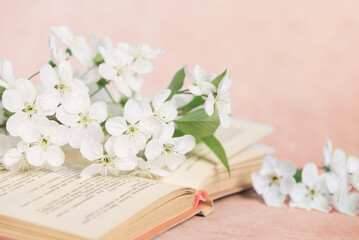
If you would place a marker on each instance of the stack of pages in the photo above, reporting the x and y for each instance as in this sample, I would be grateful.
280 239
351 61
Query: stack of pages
44 204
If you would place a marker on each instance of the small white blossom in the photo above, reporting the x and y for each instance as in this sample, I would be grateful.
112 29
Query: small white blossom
85 122
57 54
7 77
342 200
141 54
45 141
202 82
313 192
274 180
105 162
22 102
61 87
132 130
169 151
220 100
6 143
149 169
77 44
335 161
119 69
182 100
16 158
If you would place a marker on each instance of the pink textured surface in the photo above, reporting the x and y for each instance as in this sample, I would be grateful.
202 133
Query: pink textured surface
294 65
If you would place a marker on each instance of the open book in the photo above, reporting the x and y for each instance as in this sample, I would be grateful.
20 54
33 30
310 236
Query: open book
43 204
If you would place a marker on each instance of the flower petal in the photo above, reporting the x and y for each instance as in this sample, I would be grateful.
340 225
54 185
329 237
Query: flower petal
133 111
184 144
98 111
107 71
49 76
160 98
91 170
273 197
14 122
61 135
66 118
168 110
260 183
116 126
55 156
310 175
353 164
286 168
321 203
268 166
153 149
299 192
174 160
122 146
209 105
224 85
12 101
142 66
128 163
64 71
91 149
36 156
338 165
287 184
12 157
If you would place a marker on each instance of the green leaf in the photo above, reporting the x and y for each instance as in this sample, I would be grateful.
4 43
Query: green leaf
196 101
2 90
215 145
177 82
198 123
98 59
178 133
219 78
298 175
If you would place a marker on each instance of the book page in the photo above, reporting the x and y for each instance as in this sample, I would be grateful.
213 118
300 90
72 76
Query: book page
63 201
200 163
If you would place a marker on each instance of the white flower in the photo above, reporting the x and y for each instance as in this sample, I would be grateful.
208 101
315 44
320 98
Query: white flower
77 44
133 129
141 54
165 111
85 122
45 141
61 87
169 151
353 171
104 42
312 192
117 68
222 101
149 169
16 158
7 77
202 82
334 162
274 181
22 102
341 199
105 161
57 55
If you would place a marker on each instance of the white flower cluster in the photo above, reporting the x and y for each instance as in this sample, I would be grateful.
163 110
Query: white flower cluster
333 188
100 111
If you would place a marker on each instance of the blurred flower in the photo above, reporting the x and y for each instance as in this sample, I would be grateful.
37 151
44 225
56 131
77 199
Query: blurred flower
353 171
274 181
165 111
202 82
312 193
104 42
141 54
149 169
77 44
16 158
117 68
57 55
7 77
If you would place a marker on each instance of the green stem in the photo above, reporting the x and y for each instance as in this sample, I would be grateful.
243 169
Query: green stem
112 99
33 75
92 94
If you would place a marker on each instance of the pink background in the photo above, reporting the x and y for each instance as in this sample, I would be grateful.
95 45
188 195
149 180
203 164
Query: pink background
294 65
